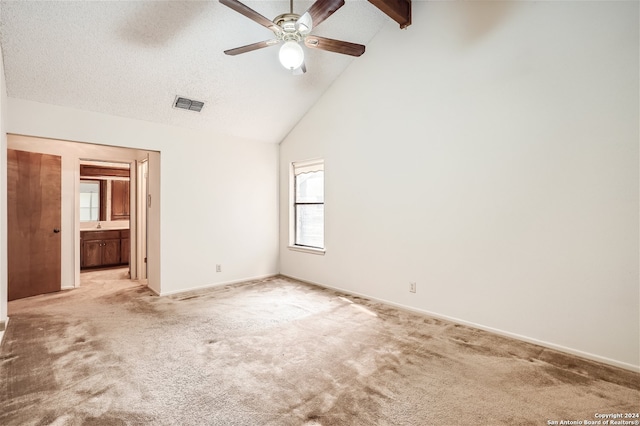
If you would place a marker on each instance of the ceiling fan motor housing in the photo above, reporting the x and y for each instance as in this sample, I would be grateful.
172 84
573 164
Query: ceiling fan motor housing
287 22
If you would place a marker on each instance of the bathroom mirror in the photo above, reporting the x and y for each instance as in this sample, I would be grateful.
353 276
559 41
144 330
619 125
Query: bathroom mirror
90 200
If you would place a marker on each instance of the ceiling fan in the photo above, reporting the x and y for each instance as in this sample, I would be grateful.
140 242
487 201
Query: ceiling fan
292 30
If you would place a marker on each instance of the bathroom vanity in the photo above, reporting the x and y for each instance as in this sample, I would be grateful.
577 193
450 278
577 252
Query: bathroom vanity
101 248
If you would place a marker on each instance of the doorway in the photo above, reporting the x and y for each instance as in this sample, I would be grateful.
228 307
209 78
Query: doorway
105 199
71 154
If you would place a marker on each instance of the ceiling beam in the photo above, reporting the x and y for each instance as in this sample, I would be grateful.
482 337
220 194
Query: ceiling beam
398 10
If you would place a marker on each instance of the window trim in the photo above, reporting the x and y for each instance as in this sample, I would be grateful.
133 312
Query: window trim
307 249
308 165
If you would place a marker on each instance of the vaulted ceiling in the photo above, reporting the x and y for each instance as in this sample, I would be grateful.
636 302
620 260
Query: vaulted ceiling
132 59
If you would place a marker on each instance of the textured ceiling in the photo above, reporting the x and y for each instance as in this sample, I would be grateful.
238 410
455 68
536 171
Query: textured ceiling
131 59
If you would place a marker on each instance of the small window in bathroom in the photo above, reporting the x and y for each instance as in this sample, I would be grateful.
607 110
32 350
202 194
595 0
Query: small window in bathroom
90 197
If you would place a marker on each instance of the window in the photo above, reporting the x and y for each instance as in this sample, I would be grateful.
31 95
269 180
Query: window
308 204
89 200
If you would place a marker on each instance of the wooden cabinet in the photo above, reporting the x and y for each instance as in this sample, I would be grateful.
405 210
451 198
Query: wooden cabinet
111 252
125 247
103 248
120 200
91 253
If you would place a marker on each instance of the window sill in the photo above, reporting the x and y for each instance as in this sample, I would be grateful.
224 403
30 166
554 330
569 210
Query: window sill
308 250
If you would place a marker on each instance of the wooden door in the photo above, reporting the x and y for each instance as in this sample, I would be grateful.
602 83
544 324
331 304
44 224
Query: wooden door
33 219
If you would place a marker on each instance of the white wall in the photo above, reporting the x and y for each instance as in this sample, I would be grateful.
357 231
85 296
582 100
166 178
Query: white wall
3 194
217 195
490 154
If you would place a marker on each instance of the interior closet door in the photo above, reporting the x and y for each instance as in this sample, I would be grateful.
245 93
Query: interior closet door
33 219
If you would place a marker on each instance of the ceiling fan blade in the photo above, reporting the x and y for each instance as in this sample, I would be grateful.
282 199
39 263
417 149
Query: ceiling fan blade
304 24
337 46
300 70
322 9
251 14
251 47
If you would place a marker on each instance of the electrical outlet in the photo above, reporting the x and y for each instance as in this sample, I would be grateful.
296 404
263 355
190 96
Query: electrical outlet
412 287
218 268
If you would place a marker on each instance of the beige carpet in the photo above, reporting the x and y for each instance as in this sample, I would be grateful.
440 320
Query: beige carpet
279 352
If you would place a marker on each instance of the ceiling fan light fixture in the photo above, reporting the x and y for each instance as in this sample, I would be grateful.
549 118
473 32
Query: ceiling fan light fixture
291 55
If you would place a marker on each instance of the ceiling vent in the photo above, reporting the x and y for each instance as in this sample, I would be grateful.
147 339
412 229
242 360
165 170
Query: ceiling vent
191 105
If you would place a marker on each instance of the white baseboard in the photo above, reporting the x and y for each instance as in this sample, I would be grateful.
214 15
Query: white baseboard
560 348
153 291
204 287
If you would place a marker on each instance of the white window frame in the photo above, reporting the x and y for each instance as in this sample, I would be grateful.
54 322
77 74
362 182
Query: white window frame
296 168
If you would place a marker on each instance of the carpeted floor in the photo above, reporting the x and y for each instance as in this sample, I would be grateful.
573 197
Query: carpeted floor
279 352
